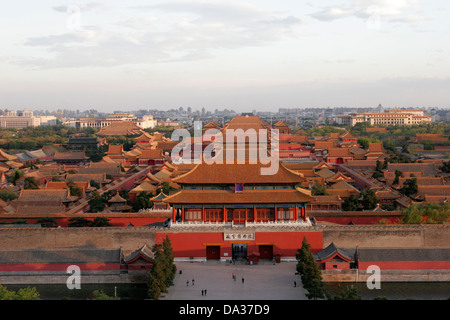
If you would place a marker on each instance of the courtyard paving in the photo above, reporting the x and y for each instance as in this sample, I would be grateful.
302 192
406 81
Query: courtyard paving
264 281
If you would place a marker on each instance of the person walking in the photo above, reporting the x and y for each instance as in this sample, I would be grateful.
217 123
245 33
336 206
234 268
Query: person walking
192 281
242 280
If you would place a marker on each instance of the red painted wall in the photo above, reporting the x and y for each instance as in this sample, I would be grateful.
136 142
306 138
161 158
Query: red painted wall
193 244
405 265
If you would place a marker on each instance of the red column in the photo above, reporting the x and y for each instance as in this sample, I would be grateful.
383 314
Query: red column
182 214
224 214
203 214
255 218
296 213
276 214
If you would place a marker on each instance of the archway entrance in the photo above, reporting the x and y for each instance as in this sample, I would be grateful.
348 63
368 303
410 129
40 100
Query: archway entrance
212 252
239 251
266 252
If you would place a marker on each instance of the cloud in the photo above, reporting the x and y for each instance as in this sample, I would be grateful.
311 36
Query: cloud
82 7
406 11
166 32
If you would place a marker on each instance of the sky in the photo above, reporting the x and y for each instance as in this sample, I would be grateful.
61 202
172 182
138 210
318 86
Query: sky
243 55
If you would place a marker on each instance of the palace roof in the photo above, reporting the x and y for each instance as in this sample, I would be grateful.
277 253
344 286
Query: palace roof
280 124
75 156
120 128
143 252
236 173
211 125
338 153
44 195
428 169
231 197
331 251
326 145
6 157
151 154
145 186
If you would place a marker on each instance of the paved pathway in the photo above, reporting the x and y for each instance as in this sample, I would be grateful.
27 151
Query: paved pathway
264 281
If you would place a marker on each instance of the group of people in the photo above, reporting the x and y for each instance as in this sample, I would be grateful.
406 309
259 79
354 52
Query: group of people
234 278
193 283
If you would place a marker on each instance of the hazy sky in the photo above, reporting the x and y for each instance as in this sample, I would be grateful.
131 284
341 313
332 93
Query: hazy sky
244 55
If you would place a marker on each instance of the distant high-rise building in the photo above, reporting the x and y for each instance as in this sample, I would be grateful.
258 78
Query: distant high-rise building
391 117
24 119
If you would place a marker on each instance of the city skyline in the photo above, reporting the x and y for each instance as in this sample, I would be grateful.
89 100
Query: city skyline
240 55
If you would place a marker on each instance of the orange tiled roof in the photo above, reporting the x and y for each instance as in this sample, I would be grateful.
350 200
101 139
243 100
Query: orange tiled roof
6 157
229 197
339 152
120 128
319 145
235 173
151 154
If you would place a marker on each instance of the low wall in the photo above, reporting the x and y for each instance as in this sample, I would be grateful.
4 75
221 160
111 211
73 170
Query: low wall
406 236
129 238
355 275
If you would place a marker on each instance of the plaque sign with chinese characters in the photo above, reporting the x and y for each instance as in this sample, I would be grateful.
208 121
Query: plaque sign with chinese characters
238 236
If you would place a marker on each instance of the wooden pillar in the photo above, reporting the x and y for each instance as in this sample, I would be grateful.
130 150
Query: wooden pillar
296 213
203 213
182 214
255 218
225 214
276 214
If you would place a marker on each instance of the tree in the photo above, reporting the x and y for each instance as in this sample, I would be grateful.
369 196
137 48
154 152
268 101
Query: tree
349 293
101 222
74 189
351 203
446 165
369 199
163 269
142 201
431 213
28 293
318 190
100 295
7 195
79 222
398 174
170 268
97 203
157 279
31 183
47 222
310 272
409 187
16 176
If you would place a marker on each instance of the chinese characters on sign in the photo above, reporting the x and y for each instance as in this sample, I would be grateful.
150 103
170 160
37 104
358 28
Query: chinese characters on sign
239 236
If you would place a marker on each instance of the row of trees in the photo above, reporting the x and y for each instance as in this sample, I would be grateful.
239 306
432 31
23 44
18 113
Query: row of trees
163 270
